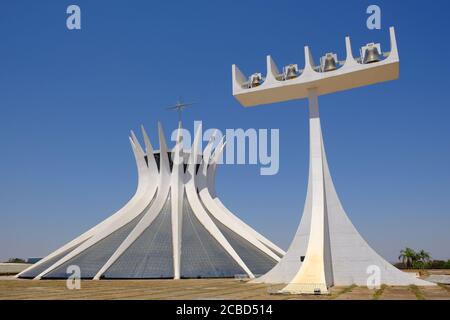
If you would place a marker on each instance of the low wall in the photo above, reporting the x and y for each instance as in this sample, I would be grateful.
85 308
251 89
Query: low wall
12 268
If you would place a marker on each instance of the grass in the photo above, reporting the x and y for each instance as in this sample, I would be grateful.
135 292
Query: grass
344 290
377 294
415 289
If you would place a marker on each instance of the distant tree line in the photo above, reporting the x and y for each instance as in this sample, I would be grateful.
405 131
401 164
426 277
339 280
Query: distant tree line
411 259
15 260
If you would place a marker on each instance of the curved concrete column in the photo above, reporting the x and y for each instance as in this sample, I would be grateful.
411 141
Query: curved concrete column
211 176
218 213
199 211
155 207
144 193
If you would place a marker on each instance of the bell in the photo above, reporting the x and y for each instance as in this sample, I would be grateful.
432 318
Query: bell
372 54
290 71
255 80
329 62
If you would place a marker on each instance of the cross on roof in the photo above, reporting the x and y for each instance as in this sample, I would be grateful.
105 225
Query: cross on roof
180 106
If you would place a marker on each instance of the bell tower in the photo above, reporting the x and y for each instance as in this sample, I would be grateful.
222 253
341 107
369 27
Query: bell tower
327 249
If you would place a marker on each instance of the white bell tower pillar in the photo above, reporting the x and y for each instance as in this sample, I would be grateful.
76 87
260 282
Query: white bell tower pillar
313 275
327 249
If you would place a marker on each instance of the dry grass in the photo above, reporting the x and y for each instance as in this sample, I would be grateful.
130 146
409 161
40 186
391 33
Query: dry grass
417 292
192 289
446 287
379 292
343 291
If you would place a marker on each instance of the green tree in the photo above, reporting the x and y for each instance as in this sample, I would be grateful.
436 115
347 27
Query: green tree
408 257
447 264
424 257
15 260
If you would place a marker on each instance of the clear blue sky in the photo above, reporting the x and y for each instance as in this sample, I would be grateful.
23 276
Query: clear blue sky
69 98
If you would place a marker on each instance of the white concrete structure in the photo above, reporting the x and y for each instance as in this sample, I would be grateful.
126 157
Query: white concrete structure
173 227
327 249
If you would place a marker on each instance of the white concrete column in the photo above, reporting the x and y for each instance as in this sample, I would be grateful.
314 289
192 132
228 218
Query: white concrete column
177 196
311 276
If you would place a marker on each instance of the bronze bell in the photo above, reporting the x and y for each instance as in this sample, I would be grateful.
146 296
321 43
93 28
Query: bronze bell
255 80
290 71
372 54
329 62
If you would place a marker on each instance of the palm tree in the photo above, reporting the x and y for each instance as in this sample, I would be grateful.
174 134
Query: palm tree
408 256
424 257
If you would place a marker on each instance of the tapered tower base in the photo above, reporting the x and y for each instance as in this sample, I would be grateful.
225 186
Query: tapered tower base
327 249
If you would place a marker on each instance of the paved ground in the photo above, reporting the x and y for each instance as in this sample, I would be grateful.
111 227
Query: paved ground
11 288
